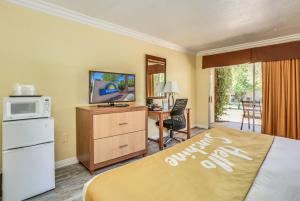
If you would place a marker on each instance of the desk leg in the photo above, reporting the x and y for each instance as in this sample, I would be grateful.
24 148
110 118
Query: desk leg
161 132
188 125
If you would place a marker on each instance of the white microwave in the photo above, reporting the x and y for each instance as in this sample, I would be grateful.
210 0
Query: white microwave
17 108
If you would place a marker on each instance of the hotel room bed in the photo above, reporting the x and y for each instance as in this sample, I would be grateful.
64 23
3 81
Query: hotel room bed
279 177
245 166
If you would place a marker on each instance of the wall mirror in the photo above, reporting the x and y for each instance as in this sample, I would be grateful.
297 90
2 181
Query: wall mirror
155 77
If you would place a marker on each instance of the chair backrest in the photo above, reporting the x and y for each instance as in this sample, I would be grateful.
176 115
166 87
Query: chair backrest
177 114
250 106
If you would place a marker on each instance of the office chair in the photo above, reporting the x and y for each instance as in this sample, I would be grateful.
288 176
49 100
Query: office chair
176 122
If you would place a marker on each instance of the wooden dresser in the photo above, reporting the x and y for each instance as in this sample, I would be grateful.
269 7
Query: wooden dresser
108 135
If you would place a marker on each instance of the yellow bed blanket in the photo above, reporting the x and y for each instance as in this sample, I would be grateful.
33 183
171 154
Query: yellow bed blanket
218 165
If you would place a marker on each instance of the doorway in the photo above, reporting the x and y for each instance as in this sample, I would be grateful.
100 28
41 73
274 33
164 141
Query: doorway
235 97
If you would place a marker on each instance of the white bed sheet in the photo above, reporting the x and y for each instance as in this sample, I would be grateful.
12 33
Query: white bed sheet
279 177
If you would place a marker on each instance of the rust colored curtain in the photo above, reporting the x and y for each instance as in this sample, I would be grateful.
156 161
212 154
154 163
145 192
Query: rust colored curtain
281 98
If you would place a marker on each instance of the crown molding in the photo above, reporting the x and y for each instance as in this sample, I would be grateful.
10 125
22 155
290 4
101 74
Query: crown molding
59 11
272 41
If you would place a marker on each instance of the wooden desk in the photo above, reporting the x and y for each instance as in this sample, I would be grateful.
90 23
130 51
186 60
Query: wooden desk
161 116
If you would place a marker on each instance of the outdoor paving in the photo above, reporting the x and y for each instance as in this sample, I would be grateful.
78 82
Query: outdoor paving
233 119
234 115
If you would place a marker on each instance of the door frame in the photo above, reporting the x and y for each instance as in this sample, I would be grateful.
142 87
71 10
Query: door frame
211 98
211 86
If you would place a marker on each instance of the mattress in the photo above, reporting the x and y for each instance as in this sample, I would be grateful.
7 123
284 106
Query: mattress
278 178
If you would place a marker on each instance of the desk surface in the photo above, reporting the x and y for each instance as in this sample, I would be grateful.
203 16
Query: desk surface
167 111
158 111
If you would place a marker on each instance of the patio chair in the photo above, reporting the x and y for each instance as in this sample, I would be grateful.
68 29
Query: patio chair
250 109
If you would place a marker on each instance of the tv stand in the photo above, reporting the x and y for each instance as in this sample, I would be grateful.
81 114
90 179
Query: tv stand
114 105
106 136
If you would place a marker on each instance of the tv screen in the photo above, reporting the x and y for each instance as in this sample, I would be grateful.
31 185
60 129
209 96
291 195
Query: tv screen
108 87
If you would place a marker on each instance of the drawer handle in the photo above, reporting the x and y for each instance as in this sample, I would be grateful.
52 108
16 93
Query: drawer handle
122 124
123 146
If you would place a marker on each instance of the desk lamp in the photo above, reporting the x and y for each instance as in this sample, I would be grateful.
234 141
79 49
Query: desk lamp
171 88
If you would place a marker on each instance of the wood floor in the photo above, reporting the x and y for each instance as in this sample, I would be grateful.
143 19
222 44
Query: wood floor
70 179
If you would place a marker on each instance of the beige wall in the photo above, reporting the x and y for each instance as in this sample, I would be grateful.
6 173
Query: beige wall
202 93
56 54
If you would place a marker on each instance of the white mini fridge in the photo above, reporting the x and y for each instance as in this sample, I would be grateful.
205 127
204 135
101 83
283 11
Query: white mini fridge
28 158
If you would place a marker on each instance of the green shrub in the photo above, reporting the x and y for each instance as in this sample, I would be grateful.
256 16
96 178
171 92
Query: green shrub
223 83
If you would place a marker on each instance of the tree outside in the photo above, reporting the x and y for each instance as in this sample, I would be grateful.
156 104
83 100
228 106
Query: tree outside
240 82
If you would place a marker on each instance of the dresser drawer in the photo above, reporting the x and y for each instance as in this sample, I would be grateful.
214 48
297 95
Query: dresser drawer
106 125
129 143
103 150
117 146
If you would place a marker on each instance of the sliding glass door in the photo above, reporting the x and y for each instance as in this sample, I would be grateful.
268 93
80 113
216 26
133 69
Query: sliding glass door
236 99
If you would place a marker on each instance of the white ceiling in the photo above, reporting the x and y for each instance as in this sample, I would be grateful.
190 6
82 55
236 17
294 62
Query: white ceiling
197 25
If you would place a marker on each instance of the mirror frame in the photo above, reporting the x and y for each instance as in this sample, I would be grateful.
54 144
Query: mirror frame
150 57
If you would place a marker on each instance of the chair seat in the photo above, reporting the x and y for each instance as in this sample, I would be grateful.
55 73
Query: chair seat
168 123
251 116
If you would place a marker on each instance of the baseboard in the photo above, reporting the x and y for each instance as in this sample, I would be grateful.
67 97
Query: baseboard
66 162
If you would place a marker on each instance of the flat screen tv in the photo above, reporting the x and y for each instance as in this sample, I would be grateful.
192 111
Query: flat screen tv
107 87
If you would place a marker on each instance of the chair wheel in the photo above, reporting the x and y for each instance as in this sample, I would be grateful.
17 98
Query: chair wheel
165 145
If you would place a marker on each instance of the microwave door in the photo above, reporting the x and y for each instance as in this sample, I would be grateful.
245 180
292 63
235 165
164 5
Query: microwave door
22 110
17 108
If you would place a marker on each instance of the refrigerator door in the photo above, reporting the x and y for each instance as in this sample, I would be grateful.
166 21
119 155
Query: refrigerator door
28 171
27 132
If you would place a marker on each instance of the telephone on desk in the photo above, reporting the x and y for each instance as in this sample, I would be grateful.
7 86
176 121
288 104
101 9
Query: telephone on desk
154 107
